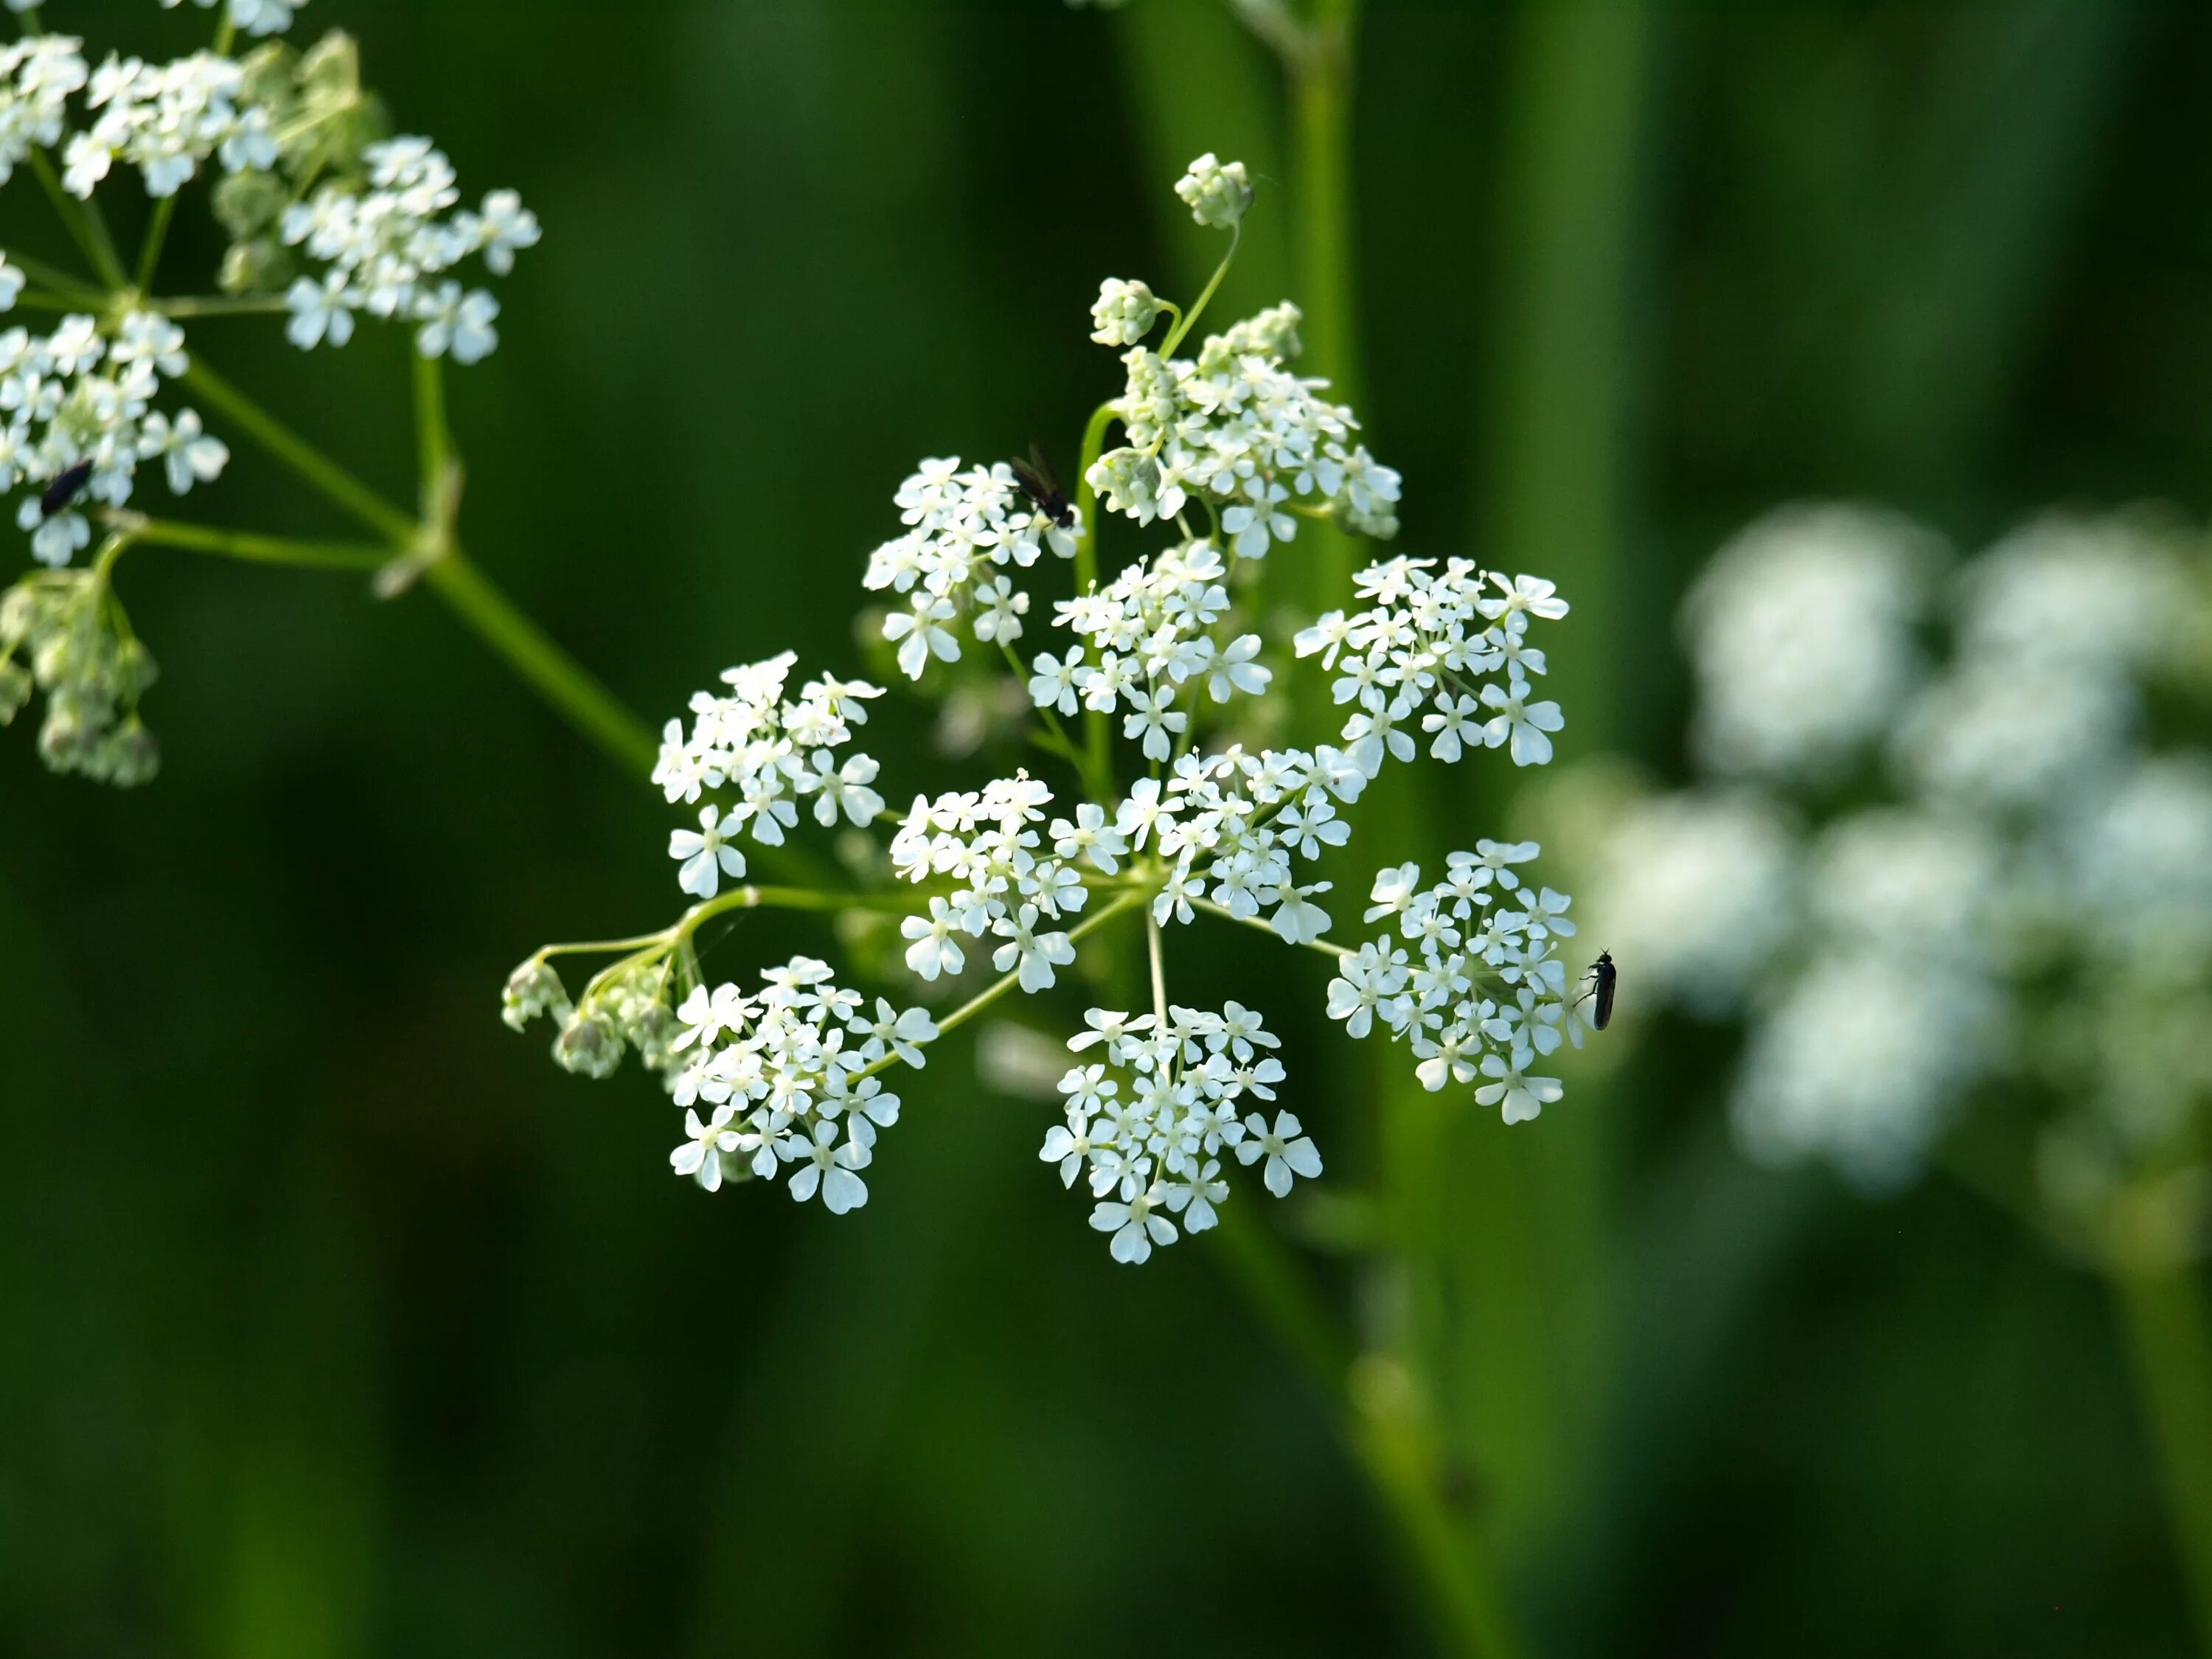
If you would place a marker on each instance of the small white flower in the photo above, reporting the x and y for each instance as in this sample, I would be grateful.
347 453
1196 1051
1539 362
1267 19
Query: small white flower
1136 1225
707 853
1288 1151
826 1166
700 1156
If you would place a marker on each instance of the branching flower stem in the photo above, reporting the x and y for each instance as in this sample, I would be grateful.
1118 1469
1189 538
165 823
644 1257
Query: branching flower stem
557 677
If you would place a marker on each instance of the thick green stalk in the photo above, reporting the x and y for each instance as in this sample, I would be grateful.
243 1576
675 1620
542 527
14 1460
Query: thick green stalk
545 666
2162 1309
316 470
1321 88
1514 1220
1374 1406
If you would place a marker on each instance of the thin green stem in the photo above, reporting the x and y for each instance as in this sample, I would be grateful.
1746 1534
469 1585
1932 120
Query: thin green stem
245 544
1097 732
433 438
1159 971
82 221
219 305
1184 324
990 993
316 470
1322 945
552 672
157 232
2162 1307
66 286
564 683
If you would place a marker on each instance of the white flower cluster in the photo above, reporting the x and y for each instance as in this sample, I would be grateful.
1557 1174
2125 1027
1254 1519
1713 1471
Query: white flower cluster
968 527
1698 891
165 119
37 74
773 754
1155 1118
787 1079
1238 432
1148 631
2033 902
1238 822
986 844
383 249
1427 639
1800 633
1173 1098
62 632
79 418
1488 993
255 17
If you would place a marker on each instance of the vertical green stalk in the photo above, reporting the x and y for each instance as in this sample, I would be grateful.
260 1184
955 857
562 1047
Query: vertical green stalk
1097 732
2162 1307
1320 73
1509 1302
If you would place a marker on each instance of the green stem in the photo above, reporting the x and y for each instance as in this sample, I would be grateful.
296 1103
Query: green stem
82 221
1185 323
1097 733
490 614
552 672
433 438
1339 951
219 305
157 232
990 993
88 297
249 546
2162 1307
325 476
1372 1407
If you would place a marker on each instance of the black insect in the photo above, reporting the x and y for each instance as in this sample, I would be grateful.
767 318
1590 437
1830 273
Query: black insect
1602 978
63 488
1037 482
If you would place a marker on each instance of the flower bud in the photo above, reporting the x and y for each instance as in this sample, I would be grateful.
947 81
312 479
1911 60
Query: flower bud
1123 313
1218 193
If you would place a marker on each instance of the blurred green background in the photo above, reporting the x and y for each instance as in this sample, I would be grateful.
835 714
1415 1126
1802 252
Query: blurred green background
334 1320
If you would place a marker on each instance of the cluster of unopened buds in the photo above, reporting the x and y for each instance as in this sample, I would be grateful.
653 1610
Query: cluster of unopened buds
1157 665
329 218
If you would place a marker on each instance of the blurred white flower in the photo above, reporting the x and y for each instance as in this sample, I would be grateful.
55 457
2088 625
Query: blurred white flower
1697 891
1800 633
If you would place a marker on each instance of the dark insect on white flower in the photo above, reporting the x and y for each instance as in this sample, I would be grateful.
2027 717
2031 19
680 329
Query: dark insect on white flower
1036 477
1602 978
63 488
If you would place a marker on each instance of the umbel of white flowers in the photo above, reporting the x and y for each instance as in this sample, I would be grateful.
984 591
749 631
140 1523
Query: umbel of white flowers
1160 665
2026 900
321 205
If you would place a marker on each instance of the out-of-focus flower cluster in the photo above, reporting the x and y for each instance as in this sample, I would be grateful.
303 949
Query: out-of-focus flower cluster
1926 873
1164 663
78 414
63 633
